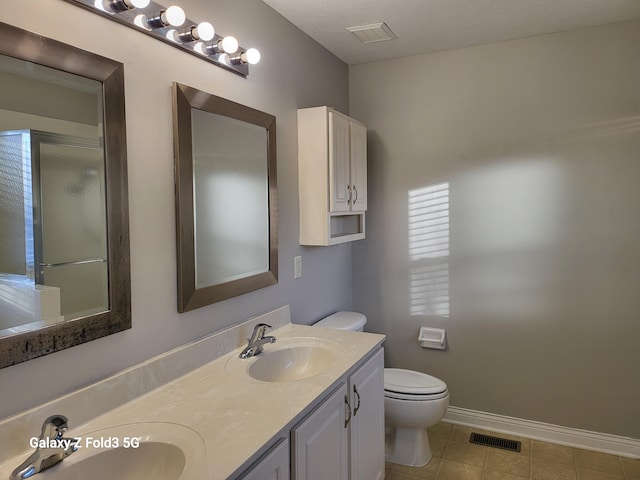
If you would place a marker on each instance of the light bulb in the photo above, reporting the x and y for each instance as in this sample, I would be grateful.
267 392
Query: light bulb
99 5
141 21
229 44
224 58
205 31
201 32
173 16
173 35
251 56
121 5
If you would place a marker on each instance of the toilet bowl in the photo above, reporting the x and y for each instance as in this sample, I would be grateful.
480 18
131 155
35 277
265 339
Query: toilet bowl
413 401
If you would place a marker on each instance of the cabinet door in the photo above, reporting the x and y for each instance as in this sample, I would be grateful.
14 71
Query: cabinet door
339 152
274 465
321 443
366 387
358 141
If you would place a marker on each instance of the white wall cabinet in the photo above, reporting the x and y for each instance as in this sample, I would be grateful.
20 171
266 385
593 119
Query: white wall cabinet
332 176
343 438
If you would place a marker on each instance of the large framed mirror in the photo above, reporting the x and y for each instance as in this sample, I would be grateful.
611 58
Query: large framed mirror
225 156
64 221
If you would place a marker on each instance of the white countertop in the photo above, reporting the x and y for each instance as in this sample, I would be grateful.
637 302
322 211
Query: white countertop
234 415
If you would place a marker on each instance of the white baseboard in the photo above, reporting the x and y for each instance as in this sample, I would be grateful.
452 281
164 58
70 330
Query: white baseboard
573 437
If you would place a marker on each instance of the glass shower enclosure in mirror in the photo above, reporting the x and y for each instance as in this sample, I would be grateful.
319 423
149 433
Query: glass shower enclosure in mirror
53 218
64 250
225 198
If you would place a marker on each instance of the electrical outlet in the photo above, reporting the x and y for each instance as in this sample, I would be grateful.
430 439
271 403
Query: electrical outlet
297 267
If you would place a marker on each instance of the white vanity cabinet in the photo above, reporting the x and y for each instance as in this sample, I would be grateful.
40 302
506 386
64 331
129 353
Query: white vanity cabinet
343 438
274 465
321 441
332 176
366 387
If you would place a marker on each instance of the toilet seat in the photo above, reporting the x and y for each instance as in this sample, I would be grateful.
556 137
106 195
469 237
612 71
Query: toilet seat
410 385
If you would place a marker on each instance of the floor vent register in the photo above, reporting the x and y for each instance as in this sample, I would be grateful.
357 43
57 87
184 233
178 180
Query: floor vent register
496 442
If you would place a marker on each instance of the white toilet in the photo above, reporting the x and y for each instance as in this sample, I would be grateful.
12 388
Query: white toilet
413 401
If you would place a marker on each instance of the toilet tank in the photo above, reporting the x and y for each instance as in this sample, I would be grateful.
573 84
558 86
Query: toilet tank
353 321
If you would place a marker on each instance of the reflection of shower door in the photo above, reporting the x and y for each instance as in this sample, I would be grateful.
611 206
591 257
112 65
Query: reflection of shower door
16 212
70 242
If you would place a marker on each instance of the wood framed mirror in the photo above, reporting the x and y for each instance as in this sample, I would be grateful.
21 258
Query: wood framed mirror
65 238
226 215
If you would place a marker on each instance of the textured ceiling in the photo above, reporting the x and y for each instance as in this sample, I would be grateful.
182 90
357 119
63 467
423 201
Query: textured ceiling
425 26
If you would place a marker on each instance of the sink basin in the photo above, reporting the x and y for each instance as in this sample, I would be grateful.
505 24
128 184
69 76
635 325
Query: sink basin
290 363
163 451
287 360
149 460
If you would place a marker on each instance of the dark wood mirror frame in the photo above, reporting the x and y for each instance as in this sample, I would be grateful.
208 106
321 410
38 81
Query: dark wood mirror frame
24 45
184 99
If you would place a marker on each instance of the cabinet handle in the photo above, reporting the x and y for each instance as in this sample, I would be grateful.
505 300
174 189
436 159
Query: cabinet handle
356 190
357 407
350 194
348 406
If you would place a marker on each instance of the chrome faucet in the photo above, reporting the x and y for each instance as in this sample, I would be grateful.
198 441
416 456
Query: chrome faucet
52 448
257 341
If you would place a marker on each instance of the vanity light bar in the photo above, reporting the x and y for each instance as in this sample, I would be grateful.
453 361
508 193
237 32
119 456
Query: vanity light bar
170 25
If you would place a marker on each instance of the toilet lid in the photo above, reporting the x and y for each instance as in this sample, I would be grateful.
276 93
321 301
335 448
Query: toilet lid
343 321
410 382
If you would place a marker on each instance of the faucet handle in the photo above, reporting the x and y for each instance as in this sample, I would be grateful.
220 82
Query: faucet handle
54 426
258 331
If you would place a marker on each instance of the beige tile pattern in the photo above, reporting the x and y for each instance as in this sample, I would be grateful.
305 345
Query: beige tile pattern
454 458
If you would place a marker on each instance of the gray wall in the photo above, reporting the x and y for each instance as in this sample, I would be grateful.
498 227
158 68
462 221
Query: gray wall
295 72
538 140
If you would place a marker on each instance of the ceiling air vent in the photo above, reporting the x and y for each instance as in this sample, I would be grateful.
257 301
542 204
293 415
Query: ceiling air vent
376 32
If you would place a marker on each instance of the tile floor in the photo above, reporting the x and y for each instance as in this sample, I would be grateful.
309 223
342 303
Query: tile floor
454 458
